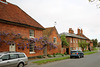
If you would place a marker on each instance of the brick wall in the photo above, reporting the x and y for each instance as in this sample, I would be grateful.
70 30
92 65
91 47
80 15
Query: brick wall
24 31
58 44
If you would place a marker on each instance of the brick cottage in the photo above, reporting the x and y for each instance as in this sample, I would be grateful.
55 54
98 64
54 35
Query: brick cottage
15 20
73 40
54 37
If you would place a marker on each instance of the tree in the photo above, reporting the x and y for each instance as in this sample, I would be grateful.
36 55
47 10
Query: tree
83 44
96 2
95 42
64 41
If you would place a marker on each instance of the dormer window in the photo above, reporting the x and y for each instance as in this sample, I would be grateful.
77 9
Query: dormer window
3 1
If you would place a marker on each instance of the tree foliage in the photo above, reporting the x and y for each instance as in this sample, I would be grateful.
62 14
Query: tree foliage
83 44
64 41
95 42
97 2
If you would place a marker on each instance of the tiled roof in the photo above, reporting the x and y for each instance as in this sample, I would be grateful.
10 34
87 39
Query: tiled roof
72 35
47 31
13 13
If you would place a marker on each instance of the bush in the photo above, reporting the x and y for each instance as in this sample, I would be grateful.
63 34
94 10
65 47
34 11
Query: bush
54 55
62 54
49 55
65 53
40 56
58 53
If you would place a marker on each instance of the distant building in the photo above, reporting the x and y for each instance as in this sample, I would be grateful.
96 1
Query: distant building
73 40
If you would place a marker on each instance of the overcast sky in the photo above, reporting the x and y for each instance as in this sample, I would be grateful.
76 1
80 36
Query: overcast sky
66 13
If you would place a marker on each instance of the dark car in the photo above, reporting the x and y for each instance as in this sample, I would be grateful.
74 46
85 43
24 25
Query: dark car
76 53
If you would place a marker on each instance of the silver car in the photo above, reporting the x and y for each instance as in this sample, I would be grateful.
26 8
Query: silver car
13 59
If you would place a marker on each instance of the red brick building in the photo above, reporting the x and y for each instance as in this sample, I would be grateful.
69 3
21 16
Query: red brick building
54 37
73 40
13 19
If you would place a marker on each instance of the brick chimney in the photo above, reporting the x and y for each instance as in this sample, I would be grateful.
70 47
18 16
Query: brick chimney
78 31
81 31
3 0
71 31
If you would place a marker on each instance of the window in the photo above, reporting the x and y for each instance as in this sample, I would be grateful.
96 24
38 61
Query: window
31 33
5 57
13 56
21 55
76 41
71 41
55 40
31 47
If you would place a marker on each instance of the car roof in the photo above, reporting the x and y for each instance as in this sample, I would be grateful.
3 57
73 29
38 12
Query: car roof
76 50
10 52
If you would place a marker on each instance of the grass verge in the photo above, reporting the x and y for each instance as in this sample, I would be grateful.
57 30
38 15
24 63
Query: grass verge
51 60
88 53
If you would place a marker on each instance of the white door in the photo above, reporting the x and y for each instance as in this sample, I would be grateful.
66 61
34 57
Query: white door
12 47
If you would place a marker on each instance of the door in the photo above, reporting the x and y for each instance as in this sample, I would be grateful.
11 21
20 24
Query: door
45 51
13 61
4 62
12 47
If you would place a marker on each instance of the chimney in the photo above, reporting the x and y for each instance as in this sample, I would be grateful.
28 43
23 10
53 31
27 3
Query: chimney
71 31
78 31
3 0
81 31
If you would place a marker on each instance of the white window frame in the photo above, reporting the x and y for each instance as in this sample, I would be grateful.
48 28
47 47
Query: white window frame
31 33
54 39
31 46
71 40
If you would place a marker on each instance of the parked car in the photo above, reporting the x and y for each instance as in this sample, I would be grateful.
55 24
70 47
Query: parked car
76 53
13 59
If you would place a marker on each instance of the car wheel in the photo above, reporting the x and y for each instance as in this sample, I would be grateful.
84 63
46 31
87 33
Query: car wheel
70 57
20 65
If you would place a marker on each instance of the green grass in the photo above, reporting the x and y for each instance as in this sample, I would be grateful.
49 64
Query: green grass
51 60
88 53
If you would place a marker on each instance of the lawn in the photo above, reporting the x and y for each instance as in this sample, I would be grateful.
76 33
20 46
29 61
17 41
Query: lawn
90 52
51 60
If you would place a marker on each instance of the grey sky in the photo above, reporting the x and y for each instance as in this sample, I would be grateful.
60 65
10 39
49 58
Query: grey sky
67 13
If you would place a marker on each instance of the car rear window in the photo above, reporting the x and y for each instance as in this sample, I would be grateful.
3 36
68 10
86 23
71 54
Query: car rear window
21 55
73 51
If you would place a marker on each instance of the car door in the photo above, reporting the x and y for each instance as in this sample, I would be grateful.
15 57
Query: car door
5 61
13 60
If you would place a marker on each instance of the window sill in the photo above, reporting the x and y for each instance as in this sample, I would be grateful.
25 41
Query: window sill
31 36
32 52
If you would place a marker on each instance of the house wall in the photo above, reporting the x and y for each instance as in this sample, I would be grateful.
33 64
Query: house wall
58 44
24 31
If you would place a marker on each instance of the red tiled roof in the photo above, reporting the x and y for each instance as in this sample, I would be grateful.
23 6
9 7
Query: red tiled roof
13 13
47 31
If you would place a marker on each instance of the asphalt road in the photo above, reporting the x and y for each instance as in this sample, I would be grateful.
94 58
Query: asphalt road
92 60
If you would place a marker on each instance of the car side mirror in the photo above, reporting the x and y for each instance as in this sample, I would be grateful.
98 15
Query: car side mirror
0 60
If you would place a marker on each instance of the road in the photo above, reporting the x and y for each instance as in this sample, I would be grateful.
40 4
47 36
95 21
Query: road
92 60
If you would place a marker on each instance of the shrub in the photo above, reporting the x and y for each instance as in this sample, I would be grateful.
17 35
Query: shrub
65 53
40 56
49 55
54 55
62 54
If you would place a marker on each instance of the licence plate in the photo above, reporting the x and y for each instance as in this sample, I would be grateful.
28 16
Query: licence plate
73 53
